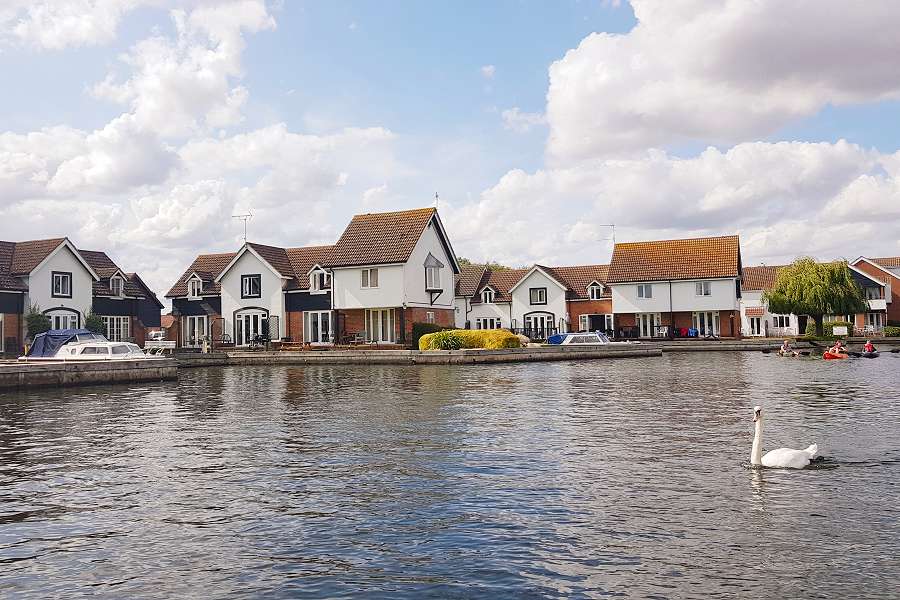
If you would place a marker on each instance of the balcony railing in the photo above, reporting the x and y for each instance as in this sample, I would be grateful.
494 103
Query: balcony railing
536 334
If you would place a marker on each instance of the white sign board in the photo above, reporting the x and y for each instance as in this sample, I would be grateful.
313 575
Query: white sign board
839 330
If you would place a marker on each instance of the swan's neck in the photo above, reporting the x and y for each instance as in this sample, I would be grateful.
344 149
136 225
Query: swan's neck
756 451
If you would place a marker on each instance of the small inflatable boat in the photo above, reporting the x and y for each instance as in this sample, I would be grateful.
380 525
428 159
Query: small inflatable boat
834 356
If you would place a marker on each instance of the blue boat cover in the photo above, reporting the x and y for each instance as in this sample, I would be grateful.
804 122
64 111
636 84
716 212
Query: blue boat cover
47 343
557 338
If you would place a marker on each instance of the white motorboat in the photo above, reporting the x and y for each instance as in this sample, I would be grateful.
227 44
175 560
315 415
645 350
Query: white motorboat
80 345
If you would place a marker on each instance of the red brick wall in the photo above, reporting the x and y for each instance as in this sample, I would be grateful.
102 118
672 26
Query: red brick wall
12 327
893 307
442 317
586 307
294 325
624 320
730 323
350 322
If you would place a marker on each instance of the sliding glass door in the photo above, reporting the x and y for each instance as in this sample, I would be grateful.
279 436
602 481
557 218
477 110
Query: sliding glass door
317 327
380 326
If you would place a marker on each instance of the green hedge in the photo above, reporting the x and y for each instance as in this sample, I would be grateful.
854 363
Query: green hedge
455 339
892 331
828 328
420 329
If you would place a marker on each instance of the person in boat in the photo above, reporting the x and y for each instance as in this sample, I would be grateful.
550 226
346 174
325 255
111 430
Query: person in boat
838 348
786 349
869 347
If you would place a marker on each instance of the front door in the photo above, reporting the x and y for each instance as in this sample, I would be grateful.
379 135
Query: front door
706 323
380 325
755 325
63 319
248 325
194 331
317 326
648 323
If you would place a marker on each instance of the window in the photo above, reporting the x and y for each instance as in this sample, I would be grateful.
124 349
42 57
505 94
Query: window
837 318
488 323
62 285
251 286
781 321
117 328
432 278
320 281
117 286
583 323
370 278
538 295
487 296
595 322
873 293
704 288
195 288
645 290
63 319
121 350
429 317
595 291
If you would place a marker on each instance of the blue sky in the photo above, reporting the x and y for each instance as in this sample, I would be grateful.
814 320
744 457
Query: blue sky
536 121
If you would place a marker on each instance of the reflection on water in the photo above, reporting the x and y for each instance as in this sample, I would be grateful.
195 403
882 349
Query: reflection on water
626 478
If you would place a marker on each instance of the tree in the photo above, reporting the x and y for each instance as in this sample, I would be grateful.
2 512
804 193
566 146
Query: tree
807 287
492 265
36 322
94 322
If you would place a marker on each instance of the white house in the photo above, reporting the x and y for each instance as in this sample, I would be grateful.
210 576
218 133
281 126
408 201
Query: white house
677 287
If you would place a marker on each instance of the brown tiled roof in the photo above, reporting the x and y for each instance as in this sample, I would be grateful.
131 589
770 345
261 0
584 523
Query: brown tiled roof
304 259
578 278
469 279
760 278
380 238
208 267
275 256
135 279
890 262
103 265
30 254
501 282
697 258
7 281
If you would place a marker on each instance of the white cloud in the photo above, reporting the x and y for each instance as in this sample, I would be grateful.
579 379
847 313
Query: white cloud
488 71
718 72
521 122
783 199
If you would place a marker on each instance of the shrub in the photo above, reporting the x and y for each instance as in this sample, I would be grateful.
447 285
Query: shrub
94 322
490 339
892 331
36 322
827 329
420 329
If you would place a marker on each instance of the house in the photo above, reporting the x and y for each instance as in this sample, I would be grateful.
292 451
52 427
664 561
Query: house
671 287
887 270
537 301
390 270
387 271
757 321
67 284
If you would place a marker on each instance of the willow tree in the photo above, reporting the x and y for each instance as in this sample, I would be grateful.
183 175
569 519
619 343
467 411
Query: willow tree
807 287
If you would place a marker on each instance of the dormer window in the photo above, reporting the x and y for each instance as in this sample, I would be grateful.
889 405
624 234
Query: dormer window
595 291
487 296
117 286
320 281
195 288
433 273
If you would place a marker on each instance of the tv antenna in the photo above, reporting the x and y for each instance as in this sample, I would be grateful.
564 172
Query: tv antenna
245 217
437 199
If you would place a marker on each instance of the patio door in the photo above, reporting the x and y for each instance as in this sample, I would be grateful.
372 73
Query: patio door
647 324
755 325
875 321
247 325
380 325
63 319
538 325
194 330
706 323
317 327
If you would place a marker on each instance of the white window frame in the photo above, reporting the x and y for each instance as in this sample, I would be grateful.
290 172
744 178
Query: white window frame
62 291
317 318
583 322
488 323
367 276
429 316
487 296
645 291
115 279
703 288
541 293
195 288
432 278
118 328
247 285
320 281
595 291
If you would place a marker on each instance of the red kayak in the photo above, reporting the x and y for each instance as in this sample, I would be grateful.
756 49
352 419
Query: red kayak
833 356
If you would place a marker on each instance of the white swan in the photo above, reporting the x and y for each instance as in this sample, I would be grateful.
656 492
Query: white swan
783 458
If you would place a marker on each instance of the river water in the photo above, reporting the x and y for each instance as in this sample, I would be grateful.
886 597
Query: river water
625 478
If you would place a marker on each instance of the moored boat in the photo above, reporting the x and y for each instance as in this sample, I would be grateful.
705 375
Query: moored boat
80 345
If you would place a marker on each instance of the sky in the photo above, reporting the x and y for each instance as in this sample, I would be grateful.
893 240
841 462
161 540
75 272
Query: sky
139 127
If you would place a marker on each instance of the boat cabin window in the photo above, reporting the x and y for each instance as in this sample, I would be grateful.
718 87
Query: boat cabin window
95 350
120 350
136 349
